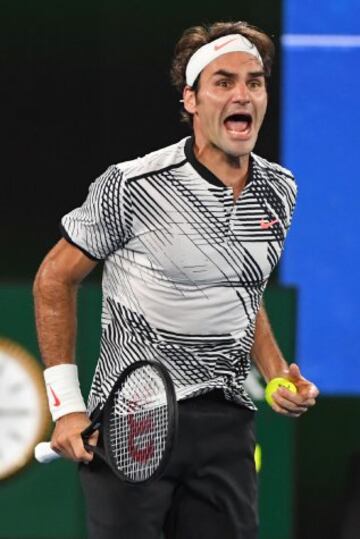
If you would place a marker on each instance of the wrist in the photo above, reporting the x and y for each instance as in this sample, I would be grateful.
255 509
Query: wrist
273 369
63 390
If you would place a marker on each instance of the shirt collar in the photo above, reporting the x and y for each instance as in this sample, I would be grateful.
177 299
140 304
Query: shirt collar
204 172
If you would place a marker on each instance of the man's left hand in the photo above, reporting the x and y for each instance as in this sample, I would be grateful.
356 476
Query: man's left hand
295 404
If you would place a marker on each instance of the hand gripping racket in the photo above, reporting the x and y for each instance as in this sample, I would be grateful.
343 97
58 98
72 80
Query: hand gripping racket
138 422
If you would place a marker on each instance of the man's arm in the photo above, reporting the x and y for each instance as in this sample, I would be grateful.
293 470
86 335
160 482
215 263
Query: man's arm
270 362
55 295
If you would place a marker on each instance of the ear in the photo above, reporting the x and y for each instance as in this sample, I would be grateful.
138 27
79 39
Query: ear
189 98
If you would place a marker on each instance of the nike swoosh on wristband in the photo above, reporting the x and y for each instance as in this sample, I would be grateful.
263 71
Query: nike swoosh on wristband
221 45
56 398
268 224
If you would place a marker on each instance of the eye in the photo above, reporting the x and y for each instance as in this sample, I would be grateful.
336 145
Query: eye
223 83
255 83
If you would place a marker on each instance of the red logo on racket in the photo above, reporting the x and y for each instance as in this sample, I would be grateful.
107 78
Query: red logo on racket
139 427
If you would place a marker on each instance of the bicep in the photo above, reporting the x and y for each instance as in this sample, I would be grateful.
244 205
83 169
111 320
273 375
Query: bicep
261 314
65 263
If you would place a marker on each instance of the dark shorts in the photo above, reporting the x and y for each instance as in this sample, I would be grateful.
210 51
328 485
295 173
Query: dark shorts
209 490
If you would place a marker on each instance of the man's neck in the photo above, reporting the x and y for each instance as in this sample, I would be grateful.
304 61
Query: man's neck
231 171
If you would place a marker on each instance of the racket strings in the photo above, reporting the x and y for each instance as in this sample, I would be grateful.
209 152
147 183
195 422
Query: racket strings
138 424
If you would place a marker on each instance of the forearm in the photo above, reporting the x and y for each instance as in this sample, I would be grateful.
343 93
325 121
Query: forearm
265 352
55 293
55 313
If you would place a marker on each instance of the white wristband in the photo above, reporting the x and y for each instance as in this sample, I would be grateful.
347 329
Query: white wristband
63 390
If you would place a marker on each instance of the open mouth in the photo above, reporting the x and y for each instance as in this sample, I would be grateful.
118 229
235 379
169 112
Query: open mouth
239 123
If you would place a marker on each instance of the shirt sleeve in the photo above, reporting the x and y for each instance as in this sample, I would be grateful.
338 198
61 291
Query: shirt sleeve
100 226
291 199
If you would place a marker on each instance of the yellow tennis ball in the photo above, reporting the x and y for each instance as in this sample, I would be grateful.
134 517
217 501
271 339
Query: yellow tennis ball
275 384
258 457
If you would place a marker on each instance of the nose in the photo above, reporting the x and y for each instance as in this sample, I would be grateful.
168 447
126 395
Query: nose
241 93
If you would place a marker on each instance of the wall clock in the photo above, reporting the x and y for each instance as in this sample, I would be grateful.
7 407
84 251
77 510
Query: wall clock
24 415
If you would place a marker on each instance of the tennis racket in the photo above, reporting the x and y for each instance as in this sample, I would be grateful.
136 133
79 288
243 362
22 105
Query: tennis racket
138 423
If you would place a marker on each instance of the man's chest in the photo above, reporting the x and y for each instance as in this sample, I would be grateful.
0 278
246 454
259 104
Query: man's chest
198 234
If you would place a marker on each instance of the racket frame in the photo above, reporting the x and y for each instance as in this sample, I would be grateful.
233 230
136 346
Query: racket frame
100 421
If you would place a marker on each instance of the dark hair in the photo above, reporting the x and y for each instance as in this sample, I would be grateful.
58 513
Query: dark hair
195 37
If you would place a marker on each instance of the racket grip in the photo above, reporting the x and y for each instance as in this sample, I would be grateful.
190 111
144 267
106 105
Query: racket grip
44 454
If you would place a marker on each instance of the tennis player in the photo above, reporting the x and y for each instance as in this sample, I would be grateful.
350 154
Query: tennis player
189 235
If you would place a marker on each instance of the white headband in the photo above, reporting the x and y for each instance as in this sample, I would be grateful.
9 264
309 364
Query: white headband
207 53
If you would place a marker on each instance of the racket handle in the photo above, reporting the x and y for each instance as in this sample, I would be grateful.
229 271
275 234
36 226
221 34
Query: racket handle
44 454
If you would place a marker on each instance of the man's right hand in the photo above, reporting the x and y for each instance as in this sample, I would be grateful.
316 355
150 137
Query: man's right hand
66 438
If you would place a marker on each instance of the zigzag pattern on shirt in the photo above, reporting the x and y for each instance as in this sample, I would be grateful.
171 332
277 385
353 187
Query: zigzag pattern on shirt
194 362
202 223
185 266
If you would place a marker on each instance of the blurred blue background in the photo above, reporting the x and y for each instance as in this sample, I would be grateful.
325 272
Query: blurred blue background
320 142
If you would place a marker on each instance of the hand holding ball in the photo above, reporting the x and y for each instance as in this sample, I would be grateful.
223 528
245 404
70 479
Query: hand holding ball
275 384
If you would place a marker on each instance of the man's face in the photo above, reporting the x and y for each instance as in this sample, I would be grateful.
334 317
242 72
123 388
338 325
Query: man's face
230 105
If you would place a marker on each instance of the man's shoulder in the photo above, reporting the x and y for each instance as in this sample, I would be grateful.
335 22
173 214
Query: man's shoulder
171 156
272 170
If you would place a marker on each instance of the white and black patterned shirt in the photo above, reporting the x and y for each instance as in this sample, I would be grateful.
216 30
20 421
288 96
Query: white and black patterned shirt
185 266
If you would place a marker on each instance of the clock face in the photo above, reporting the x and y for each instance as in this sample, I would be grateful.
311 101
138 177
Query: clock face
24 416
